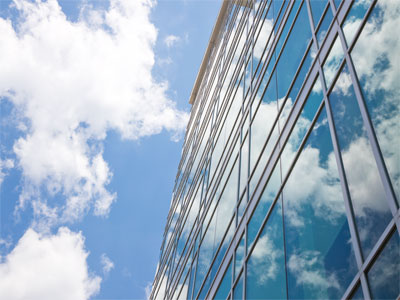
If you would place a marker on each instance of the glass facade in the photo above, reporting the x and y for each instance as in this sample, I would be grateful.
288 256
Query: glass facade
289 181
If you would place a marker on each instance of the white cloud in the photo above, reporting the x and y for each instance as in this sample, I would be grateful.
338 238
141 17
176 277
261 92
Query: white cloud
72 82
4 165
308 269
107 264
171 40
48 267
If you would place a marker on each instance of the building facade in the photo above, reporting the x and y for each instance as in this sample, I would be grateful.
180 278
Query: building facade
289 181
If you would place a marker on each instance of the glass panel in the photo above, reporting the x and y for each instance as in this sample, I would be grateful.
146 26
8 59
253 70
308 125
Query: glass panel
366 190
303 123
238 290
239 256
317 8
244 164
263 205
323 28
358 294
332 64
320 259
266 266
384 276
376 59
292 53
354 19
225 286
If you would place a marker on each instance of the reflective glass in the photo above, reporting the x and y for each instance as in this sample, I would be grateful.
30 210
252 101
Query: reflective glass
239 256
244 164
320 259
366 190
376 60
263 205
354 19
292 54
323 28
225 286
295 89
303 123
332 63
384 276
238 290
266 265
317 9
358 294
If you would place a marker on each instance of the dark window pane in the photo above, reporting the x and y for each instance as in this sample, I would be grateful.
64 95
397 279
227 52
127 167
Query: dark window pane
239 256
358 294
384 276
238 291
376 59
365 186
319 255
317 8
323 28
225 286
266 265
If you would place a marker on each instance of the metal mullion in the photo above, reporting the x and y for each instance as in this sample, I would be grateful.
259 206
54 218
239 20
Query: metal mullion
342 175
384 175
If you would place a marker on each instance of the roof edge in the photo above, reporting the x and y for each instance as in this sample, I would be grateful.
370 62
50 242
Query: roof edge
211 44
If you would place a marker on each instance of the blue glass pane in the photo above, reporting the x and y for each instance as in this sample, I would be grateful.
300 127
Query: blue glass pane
376 59
292 53
323 29
384 276
354 19
225 286
320 259
239 256
366 190
266 266
303 123
332 63
238 290
263 205
317 8
358 294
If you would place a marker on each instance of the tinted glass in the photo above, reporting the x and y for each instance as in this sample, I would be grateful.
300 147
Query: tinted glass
323 28
239 256
354 18
384 276
365 186
238 290
320 259
266 266
332 63
225 286
358 294
376 59
317 8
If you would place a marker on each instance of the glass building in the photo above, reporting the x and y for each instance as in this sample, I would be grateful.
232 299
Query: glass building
289 181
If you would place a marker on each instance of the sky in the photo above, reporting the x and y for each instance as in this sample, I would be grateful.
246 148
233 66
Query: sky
94 105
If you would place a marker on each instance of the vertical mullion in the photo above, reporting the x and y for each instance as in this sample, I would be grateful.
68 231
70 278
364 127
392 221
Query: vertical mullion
390 197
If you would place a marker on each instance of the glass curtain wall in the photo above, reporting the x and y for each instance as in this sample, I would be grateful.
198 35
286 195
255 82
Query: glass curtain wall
289 181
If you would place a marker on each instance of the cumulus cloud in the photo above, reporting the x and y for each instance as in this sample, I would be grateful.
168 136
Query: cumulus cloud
48 267
72 82
171 40
107 264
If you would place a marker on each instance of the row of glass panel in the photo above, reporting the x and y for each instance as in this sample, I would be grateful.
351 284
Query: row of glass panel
356 131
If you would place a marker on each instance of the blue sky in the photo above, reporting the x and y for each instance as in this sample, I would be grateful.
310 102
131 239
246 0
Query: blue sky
94 103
